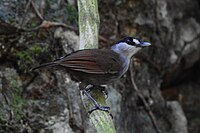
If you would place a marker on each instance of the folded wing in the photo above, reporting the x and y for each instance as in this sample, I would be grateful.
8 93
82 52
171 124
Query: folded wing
96 61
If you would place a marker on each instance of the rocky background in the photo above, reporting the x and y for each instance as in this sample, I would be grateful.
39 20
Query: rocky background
33 32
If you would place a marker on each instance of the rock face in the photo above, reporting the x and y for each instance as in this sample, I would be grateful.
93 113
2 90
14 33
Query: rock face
48 101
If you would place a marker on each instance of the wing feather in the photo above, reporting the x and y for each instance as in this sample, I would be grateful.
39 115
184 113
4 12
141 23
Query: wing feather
88 61
84 66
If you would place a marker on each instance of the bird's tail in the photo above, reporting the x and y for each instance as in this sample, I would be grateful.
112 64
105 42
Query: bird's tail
44 65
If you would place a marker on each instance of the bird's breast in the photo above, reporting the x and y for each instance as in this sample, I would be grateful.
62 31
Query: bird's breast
125 65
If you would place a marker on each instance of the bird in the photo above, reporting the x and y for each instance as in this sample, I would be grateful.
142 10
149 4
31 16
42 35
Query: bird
98 67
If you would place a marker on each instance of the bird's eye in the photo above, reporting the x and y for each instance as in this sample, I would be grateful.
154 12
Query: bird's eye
131 41
128 41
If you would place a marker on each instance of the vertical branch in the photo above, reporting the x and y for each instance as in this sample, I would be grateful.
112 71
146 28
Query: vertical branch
147 107
88 23
88 32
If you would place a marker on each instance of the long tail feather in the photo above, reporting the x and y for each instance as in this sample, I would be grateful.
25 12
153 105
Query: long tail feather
44 65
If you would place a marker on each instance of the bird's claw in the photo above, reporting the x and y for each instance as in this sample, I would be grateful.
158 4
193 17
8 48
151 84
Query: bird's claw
96 105
102 108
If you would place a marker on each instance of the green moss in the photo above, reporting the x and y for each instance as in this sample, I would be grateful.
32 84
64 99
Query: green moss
36 50
17 105
29 56
33 24
13 106
24 55
72 14
17 100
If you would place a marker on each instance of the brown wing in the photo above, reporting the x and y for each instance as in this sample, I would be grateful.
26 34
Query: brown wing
96 61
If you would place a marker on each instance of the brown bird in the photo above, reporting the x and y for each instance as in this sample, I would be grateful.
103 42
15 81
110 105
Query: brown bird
99 66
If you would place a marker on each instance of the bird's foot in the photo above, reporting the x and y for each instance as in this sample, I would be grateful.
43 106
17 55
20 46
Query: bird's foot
98 107
102 108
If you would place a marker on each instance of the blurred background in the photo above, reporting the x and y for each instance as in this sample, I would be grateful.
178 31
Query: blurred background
167 74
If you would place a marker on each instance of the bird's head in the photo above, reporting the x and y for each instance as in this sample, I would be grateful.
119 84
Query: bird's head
129 46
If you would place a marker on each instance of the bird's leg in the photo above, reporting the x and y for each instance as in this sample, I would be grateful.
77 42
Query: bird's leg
89 88
96 105
85 89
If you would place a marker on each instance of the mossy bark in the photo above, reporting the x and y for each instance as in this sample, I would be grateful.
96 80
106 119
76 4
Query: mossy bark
88 23
88 31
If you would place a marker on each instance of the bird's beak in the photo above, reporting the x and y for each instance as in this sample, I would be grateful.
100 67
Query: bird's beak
145 44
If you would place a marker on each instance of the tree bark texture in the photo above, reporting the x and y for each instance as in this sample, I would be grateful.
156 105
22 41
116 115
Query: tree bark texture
88 32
